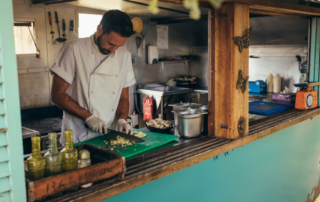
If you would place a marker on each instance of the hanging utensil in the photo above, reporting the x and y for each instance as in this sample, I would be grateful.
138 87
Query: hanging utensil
64 28
57 21
72 34
138 41
143 34
52 32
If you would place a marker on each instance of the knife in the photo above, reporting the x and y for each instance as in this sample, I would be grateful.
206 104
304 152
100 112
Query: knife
112 135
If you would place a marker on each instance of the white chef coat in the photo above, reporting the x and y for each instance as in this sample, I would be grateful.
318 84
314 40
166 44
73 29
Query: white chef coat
96 83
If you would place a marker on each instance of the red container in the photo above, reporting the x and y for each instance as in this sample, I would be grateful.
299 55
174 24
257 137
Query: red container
148 106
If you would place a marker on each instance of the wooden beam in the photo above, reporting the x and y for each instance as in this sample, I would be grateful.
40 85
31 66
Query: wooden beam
272 13
227 104
120 187
267 7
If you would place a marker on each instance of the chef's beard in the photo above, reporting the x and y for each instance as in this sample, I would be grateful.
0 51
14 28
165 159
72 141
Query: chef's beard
102 50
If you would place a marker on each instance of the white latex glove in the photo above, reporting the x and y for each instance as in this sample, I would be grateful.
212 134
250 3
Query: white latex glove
96 125
123 126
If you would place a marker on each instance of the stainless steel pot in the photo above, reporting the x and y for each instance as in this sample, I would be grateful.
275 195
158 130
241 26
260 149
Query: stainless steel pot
204 108
190 122
179 106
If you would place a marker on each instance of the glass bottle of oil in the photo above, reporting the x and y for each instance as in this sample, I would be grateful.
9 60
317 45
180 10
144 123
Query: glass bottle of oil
53 157
36 163
69 154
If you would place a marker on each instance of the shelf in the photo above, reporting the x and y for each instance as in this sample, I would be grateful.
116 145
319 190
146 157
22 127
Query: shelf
311 1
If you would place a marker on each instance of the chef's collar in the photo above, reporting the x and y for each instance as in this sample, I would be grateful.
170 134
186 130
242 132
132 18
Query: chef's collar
96 50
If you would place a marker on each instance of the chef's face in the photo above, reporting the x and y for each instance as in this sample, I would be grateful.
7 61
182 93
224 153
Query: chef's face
109 43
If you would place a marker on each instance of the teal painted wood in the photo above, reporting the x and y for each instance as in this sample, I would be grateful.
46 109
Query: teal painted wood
5 196
282 167
3 139
314 72
317 55
12 183
4 167
4 184
312 48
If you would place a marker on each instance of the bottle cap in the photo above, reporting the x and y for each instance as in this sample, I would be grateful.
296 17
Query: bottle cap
68 132
52 135
84 154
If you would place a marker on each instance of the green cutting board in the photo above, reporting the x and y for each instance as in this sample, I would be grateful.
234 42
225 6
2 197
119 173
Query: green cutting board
152 140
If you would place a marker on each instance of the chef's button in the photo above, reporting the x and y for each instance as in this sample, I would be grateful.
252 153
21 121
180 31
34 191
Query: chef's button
116 75
114 93
91 92
92 53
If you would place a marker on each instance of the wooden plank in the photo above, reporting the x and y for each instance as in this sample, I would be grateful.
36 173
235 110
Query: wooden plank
279 7
273 13
227 102
268 7
211 82
120 187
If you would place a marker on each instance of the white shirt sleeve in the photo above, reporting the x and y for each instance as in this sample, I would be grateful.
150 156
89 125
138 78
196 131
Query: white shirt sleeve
130 79
64 65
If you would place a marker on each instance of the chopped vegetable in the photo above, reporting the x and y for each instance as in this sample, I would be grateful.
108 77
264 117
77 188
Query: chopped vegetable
111 148
159 123
139 134
120 141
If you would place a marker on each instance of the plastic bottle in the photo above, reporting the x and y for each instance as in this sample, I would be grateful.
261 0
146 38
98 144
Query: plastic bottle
69 154
277 83
53 157
36 163
270 83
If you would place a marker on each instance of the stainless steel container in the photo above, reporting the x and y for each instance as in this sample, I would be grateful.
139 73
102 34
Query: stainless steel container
204 108
179 106
190 122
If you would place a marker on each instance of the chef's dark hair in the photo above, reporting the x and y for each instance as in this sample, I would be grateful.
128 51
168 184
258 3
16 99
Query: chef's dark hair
117 21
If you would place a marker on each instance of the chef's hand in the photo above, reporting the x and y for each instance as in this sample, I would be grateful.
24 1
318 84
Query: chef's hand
123 126
96 124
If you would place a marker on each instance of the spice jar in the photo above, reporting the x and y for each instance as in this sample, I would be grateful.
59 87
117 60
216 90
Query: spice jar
84 161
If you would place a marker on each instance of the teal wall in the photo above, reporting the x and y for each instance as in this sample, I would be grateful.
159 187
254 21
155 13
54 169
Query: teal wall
282 167
12 183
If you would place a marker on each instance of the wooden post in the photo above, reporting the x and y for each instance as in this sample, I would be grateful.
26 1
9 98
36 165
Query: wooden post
228 105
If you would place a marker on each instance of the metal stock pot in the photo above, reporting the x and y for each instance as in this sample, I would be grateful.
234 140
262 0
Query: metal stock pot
190 122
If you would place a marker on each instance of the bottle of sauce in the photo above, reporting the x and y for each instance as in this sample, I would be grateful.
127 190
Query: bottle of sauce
84 161
277 83
36 163
270 83
69 154
53 157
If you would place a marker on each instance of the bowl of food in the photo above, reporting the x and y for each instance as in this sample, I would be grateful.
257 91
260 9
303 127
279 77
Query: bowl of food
159 126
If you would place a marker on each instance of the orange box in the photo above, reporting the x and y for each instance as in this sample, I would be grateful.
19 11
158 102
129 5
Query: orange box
306 99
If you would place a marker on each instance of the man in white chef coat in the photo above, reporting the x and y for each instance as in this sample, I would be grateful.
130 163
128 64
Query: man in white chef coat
91 77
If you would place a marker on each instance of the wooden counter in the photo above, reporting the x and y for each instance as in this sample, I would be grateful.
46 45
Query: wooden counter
168 160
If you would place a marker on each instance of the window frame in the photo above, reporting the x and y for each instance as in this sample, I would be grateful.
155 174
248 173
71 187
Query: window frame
27 20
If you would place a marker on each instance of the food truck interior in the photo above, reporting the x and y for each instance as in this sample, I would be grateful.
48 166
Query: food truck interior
182 74
277 45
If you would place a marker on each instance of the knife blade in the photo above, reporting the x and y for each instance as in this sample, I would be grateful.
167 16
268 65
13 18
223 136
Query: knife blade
112 135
